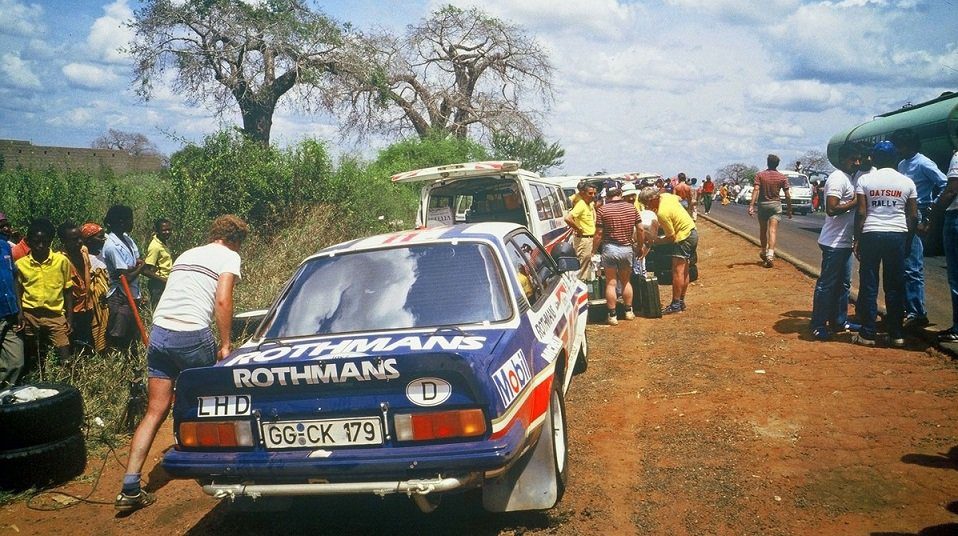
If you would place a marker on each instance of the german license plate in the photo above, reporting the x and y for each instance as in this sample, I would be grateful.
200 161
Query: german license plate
323 433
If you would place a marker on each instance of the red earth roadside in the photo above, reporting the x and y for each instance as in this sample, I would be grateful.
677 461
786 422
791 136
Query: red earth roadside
725 419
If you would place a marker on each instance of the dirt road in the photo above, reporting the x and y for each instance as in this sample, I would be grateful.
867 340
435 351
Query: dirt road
726 419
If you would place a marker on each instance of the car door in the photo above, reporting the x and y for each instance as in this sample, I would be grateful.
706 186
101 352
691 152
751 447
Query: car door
551 314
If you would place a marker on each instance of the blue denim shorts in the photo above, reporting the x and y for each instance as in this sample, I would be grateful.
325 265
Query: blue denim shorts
170 352
617 256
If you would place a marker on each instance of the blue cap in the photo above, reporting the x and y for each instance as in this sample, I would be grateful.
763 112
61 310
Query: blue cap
884 147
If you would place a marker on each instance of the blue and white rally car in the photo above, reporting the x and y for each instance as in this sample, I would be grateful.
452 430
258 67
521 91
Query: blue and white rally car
419 362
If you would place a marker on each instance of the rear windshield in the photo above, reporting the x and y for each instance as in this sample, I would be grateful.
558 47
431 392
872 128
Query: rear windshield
409 287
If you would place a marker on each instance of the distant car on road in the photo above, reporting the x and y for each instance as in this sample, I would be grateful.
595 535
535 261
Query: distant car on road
421 362
799 188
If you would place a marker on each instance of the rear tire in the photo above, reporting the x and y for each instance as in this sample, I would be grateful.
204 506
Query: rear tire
560 450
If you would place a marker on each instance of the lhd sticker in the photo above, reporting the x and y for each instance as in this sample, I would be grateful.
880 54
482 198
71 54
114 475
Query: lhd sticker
428 391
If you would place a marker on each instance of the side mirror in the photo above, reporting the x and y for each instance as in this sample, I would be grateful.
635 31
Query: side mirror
564 256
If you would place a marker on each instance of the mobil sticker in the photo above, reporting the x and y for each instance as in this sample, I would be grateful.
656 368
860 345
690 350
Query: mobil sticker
512 377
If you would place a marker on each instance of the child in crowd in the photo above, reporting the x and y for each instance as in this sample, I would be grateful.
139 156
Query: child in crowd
44 286
93 239
71 245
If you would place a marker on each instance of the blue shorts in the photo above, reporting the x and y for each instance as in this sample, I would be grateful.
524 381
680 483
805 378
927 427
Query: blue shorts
617 256
170 352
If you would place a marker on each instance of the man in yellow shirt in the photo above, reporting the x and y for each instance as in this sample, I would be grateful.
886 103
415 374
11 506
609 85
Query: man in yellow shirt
43 284
582 221
680 233
158 261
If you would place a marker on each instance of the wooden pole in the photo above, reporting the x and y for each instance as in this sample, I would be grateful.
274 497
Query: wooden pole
136 313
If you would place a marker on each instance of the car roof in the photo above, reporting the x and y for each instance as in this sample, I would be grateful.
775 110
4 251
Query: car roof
490 231
566 180
489 168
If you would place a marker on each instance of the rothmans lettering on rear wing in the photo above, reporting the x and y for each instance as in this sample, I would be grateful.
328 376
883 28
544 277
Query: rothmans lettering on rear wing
358 348
384 369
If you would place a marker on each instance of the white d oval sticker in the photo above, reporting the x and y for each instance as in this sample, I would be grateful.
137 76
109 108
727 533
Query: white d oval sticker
428 391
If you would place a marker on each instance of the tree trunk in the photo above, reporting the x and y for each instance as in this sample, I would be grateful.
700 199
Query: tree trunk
257 120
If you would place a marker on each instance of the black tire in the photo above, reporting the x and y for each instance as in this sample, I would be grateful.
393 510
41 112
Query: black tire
42 465
560 441
41 421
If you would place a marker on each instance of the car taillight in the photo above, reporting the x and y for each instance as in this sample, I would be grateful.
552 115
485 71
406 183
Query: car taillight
216 434
439 425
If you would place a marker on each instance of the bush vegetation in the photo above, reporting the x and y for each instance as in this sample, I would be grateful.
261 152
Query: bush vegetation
296 200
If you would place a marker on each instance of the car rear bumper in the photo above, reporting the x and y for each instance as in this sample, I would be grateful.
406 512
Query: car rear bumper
369 465
409 487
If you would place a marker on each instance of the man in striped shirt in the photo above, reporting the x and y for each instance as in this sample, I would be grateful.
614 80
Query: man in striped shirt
618 230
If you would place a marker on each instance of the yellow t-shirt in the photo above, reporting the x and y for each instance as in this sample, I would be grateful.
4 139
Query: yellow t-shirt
43 283
673 218
583 214
158 255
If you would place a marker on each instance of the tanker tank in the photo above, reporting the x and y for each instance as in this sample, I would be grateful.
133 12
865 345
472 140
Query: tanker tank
935 121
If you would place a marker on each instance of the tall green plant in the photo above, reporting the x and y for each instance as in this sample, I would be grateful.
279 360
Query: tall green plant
58 195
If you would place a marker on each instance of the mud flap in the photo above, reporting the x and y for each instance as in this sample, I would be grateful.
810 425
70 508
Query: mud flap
530 484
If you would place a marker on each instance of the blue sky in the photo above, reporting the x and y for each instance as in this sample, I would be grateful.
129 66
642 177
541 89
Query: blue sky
660 86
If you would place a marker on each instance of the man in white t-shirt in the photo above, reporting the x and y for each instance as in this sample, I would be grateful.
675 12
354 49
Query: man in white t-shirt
830 301
885 223
199 288
947 207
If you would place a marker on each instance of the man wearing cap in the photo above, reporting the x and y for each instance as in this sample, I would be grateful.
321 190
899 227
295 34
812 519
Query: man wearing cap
618 228
830 300
885 222
929 182
11 345
680 233
581 219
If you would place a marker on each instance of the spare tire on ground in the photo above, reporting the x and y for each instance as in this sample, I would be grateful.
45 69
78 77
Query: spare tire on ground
43 465
41 421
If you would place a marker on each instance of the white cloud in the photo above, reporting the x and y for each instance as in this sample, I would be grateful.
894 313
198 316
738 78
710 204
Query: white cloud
88 76
109 33
597 18
858 42
743 12
20 19
19 73
631 68
795 95
75 117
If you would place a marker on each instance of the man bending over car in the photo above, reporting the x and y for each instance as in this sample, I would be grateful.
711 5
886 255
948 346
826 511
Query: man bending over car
200 287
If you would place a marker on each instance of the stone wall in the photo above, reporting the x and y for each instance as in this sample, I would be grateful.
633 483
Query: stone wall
23 153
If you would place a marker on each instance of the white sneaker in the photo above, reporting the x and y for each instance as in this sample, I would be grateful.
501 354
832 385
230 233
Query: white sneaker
612 321
629 315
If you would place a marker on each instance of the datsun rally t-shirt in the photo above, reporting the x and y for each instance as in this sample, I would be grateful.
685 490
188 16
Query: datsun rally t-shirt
886 192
